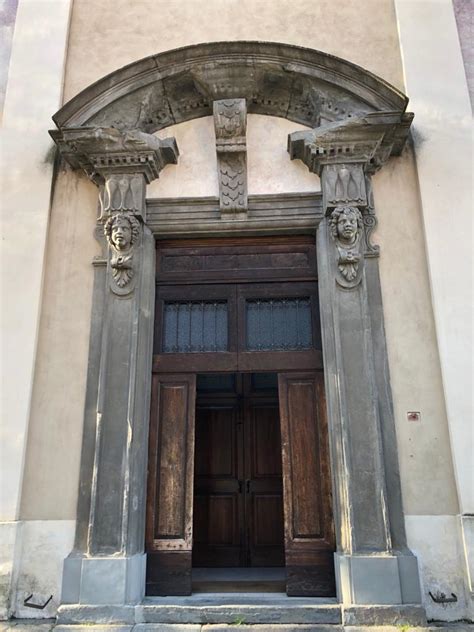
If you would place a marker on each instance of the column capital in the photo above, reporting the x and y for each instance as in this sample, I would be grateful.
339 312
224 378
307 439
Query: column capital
368 141
105 151
121 163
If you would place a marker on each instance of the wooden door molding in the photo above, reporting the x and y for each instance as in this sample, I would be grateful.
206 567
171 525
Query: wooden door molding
309 534
170 484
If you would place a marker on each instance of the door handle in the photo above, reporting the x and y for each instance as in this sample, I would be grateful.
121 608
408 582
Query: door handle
240 486
247 485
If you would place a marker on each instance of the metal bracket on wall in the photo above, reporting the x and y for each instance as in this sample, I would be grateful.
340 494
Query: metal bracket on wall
441 598
36 605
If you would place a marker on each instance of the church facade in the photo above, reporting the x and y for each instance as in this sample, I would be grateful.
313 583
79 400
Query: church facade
237 307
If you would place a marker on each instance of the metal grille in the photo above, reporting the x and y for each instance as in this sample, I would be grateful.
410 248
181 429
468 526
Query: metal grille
279 324
195 326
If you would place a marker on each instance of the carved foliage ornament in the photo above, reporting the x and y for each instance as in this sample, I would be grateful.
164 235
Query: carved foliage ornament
122 231
346 227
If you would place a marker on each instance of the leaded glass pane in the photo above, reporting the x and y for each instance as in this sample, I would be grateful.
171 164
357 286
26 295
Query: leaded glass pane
282 324
195 326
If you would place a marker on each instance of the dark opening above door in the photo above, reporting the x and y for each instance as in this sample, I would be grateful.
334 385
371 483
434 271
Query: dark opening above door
238 491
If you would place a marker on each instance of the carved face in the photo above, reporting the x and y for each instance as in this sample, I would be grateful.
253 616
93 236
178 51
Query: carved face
347 226
121 233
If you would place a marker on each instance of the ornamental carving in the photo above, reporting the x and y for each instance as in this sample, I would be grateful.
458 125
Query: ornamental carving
122 231
344 184
346 227
123 192
230 122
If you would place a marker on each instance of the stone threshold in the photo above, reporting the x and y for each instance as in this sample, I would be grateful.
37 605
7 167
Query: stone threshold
42 625
242 608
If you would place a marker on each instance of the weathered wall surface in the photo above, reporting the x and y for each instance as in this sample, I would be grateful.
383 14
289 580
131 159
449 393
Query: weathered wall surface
33 65
430 39
109 34
112 33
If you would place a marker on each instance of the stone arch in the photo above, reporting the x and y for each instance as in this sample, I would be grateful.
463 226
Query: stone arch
303 85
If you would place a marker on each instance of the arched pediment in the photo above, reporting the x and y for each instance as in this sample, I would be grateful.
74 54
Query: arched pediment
303 85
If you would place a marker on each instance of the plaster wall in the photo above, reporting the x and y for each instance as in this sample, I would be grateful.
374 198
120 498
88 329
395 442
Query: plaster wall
42 547
112 33
436 542
34 69
442 136
429 40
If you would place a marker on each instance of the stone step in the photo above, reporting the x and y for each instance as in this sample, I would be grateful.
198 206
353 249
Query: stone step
243 609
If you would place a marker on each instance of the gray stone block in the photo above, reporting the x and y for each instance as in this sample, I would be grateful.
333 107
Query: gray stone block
71 583
271 628
94 628
103 581
249 613
112 580
375 580
409 579
87 614
168 627
384 615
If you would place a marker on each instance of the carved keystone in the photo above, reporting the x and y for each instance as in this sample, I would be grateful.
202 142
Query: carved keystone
230 122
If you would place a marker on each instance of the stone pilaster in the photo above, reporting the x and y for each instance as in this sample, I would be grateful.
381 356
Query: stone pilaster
230 123
373 564
108 563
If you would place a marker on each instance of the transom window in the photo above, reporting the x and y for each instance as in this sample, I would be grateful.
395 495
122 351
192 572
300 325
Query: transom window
240 316
195 326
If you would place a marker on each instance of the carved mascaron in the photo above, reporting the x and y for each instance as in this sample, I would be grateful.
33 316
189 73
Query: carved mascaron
346 228
122 231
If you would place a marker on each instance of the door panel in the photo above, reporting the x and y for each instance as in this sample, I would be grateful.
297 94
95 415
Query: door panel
218 503
264 488
238 509
309 539
170 485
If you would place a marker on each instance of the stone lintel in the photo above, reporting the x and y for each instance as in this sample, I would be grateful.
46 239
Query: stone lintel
230 123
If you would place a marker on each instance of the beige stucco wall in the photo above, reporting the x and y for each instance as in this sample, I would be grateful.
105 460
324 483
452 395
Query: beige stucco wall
108 34
111 33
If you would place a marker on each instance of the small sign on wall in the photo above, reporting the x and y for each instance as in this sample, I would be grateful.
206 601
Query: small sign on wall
413 415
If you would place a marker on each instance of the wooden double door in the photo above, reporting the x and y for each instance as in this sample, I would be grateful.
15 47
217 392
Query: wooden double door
239 475
238 486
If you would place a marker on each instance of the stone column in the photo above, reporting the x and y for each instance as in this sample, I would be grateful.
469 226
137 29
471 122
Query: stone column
373 564
107 565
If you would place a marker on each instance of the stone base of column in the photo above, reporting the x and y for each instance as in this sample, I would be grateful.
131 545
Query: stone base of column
377 579
103 580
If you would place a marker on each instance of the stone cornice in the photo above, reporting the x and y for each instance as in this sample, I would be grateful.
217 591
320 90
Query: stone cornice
369 140
301 84
105 151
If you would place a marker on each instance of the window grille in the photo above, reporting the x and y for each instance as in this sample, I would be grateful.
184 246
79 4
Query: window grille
195 326
281 324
